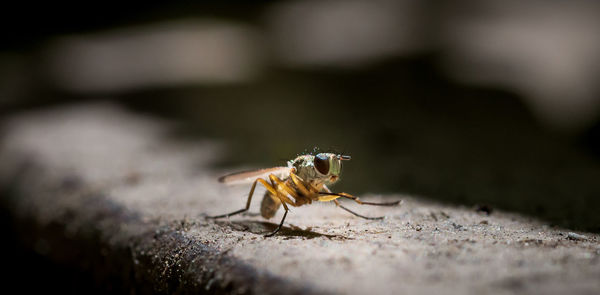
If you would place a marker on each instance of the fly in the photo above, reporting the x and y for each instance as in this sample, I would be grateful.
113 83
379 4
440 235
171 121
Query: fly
303 181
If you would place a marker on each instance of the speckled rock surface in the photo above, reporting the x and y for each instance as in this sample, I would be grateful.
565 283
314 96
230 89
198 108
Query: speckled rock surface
132 201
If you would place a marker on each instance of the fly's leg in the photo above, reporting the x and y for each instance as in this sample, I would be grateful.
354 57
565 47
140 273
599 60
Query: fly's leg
298 182
299 199
311 193
264 183
356 214
278 194
282 189
280 224
328 195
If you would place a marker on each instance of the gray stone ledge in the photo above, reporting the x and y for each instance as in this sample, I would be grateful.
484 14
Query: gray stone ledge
101 189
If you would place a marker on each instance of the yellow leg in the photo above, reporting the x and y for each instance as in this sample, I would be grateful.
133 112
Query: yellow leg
299 200
329 195
270 188
327 198
299 184
282 189
307 189
284 199
274 190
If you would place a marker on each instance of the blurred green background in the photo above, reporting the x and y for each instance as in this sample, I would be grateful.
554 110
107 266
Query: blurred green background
467 102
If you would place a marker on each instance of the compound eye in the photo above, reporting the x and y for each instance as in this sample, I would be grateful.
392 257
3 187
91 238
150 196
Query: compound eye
322 163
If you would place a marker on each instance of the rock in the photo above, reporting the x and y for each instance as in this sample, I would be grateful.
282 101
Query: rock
103 190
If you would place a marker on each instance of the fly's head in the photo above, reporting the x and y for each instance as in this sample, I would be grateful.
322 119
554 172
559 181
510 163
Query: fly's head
328 166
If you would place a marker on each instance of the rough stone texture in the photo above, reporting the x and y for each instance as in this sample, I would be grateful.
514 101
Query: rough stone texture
101 189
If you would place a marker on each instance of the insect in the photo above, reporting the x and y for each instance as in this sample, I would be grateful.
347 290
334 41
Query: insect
303 181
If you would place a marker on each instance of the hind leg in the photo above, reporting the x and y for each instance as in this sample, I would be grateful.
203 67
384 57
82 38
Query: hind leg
264 183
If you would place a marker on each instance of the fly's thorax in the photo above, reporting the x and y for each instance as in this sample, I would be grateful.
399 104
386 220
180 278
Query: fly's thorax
304 167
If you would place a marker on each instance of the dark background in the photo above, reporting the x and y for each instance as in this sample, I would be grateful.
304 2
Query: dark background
474 103
413 121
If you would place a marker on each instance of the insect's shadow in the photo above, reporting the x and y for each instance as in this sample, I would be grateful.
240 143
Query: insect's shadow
263 227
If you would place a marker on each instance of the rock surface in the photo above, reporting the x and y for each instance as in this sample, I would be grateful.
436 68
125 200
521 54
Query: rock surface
99 188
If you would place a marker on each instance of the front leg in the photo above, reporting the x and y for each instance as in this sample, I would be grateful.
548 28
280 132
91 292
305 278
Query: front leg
328 196
299 198
356 214
331 196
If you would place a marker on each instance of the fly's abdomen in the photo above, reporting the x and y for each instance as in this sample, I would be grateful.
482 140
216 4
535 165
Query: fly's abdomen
269 206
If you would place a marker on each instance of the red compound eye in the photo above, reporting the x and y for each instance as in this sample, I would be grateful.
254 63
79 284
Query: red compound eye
322 163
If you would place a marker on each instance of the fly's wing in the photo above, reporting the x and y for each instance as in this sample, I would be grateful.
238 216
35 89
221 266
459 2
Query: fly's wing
250 176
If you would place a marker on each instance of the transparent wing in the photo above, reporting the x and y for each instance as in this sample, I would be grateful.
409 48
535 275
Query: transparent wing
250 176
